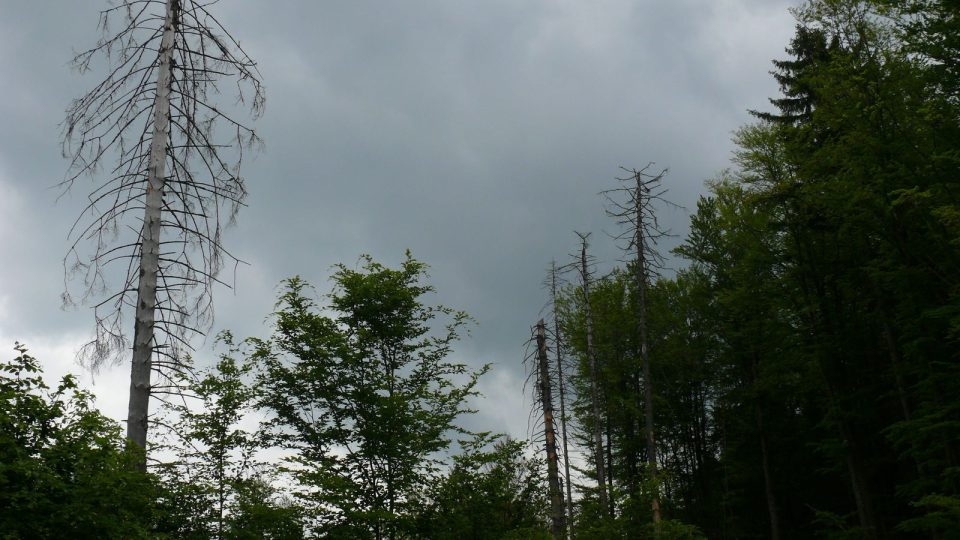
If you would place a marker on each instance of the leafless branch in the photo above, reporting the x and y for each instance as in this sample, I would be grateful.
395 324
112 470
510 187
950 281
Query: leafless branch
110 128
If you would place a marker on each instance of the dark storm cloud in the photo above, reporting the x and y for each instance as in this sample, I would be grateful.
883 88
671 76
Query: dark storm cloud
476 134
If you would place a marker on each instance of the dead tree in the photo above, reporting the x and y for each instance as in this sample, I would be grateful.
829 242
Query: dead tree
633 207
561 386
584 270
172 158
545 391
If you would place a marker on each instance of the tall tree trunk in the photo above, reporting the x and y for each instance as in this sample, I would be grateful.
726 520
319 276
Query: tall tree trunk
837 382
768 480
640 269
221 484
896 365
772 512
609 466
594 383
558 525
143 334
893 350
561 386
631 440
824 322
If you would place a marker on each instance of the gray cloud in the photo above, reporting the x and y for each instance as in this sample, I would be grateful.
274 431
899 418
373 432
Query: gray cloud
476 134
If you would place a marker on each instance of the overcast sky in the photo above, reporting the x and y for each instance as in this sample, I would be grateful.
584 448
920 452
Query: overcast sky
474 133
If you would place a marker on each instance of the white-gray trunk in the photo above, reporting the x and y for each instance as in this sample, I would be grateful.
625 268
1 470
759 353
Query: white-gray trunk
143 333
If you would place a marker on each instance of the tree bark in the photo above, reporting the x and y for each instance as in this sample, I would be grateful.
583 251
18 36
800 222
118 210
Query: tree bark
143 334
563 404
557 521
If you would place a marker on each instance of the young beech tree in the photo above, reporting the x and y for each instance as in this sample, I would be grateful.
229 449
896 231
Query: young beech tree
172 160
493 491
363 392
217 487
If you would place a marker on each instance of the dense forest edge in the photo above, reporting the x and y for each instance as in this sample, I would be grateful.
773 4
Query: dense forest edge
797 377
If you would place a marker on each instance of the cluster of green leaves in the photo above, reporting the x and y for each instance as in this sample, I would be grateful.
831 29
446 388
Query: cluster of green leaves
363 396
684 434
493 491
64 472
216 485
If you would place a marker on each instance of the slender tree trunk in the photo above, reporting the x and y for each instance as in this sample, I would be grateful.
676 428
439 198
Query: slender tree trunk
558 525
896 365
221 488
772 512
768 480
609 466
893 351
594 384
836 381
563 404
863 495
631 453
825 324
631 441
390 525
143 334
640 268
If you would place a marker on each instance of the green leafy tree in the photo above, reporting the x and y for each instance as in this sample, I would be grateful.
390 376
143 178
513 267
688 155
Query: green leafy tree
261 511
754 361
684 420
493 491
363 393
217 487
64 471
806 371
832 254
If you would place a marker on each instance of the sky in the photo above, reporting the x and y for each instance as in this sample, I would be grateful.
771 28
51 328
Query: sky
475 134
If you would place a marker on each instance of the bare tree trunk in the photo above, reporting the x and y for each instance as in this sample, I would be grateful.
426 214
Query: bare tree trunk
896 362
640 269
143 335
637 212
152 113
836 383
896 365
562 383
221 488
768 480
609 466
862 494
772 512
594 382
557 520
